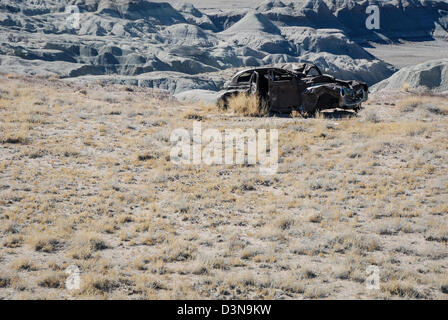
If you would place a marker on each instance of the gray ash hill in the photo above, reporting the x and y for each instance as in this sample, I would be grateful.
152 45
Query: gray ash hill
429 76
179 47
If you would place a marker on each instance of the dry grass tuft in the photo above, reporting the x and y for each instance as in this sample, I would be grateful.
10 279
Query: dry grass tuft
247 105
13 241
94 284
432 104
4 282
405 87
192 115
20 137
410 104
403 289
86 244
52 280
23 264
45 243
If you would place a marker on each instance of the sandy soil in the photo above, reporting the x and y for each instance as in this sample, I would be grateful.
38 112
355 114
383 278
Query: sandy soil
86 180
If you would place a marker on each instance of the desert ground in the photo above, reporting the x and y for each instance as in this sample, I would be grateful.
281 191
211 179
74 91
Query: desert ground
86 180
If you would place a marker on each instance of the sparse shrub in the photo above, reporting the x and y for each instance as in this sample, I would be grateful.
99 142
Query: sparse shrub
315 292
140 263
244 185
4 282
159 267
14 138
191 115
52 280
444 288
405 87
284 222
291 284
306 249
315 184
69 152
199 268
12 228
147 156
13 241
323 184
355 152
53 265
437 233
248 253
308 274
437 110
177 251
402 289
45 244
181 205
23 264
98 284
314 217
416 129
145 283
154 238
235 243
245 278
410 104
125 218
85 245
341 272
433 105
110 99
357 243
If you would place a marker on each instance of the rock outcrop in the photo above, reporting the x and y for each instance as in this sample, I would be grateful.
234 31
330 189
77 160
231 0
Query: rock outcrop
157 44
431 75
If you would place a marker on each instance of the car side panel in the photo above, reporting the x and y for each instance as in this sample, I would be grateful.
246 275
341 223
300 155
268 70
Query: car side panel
284 96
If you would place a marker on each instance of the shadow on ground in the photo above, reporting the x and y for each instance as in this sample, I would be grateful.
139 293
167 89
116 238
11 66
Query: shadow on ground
338 114
333 114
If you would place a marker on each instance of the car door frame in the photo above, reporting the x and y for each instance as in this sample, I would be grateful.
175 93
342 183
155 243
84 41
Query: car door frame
284 95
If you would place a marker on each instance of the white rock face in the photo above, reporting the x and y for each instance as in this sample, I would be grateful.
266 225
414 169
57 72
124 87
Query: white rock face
157 44
431 75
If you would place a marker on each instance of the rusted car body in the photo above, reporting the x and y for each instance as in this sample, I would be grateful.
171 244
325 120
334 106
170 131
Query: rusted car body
300 87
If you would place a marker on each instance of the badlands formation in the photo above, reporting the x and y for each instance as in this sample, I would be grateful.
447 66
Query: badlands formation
178 47
431 75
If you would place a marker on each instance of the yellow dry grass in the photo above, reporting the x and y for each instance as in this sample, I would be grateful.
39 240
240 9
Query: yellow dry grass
247 105
405 87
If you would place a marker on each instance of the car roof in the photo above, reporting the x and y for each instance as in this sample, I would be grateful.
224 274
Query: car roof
258 68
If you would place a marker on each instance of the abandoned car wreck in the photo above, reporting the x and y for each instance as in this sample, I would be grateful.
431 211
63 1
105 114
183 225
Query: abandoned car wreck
301 87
